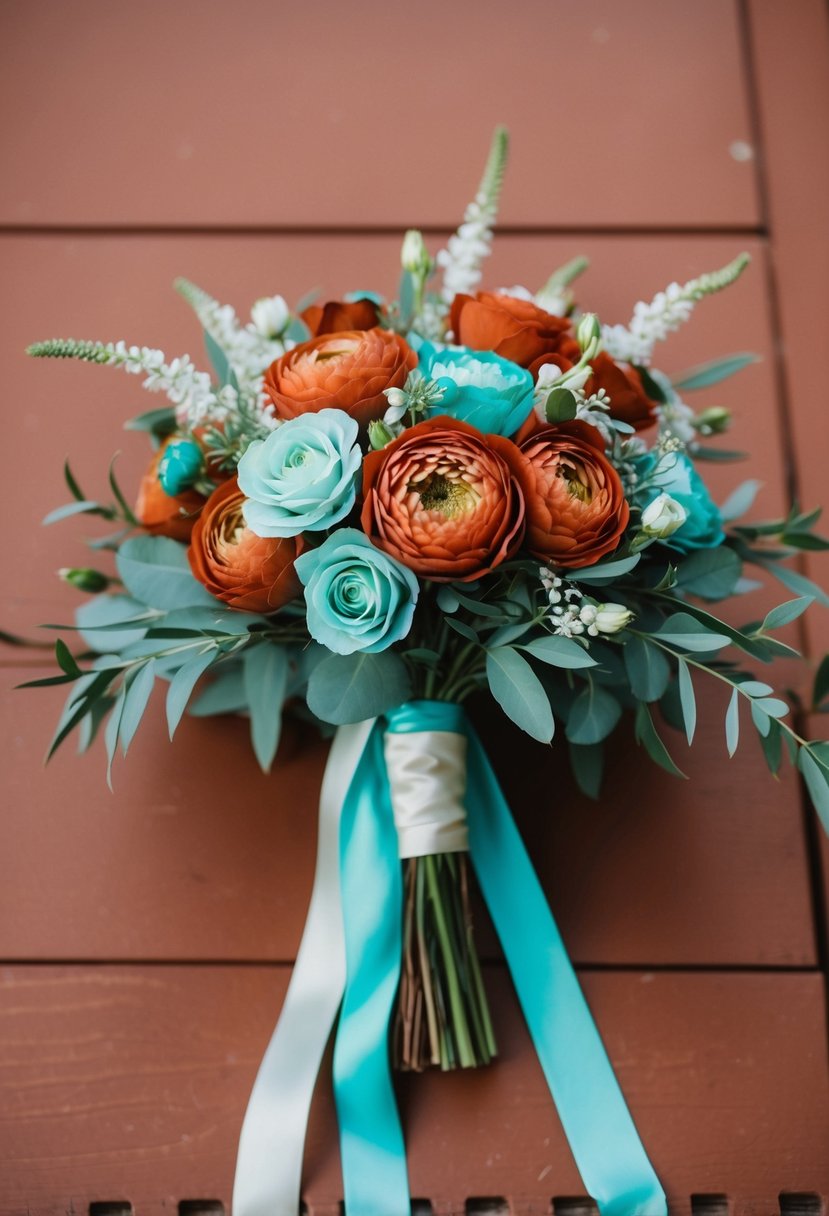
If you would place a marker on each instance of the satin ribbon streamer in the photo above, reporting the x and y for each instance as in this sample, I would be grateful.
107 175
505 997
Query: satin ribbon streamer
591 1106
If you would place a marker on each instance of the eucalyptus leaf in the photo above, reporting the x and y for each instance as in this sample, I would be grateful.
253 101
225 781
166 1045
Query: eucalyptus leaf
606 571
761 719
224 695
593 715
714 372
683 631
732 723
350 688
817 783
138 690
820 691
740 500
647 735
797 582
722 455
647 668
182 685
784 614
265 675
711 574
519 692
447 601
155 570
72 508
96 616
559 652
587 763
687 699
225 374
772 747
112 730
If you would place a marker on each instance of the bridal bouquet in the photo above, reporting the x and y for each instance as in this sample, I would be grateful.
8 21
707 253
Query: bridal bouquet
368 512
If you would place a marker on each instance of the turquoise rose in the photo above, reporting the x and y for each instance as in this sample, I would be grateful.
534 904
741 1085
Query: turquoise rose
357 597
302 478
480 388
674 474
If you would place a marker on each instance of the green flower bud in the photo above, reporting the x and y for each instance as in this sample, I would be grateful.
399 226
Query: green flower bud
589 334
379 435
84 579
713 421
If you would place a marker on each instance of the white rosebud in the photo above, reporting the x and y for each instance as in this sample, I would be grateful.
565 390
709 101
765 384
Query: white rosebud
611 618
414 256
662 517
270 316
589 333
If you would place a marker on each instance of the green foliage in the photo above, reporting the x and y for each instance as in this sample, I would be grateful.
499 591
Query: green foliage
519 692
713 372
593 714
647 668
648 737
265 677
350 688
712 574
155 570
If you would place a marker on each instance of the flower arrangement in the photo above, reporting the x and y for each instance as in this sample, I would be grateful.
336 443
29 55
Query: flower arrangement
372 510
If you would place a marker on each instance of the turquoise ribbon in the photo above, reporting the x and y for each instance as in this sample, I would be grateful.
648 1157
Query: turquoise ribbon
592 1109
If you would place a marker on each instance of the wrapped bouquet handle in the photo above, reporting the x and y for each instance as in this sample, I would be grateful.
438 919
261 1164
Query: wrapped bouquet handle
363 923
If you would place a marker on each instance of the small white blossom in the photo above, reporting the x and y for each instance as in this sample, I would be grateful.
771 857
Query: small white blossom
662 517
612 618
270 316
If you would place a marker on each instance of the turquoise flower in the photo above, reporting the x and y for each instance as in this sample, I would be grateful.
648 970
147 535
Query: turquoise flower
674 474
480 388
357 597
302 478
180 466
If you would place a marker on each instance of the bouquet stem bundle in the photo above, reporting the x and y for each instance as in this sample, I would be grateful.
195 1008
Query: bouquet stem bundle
443 1016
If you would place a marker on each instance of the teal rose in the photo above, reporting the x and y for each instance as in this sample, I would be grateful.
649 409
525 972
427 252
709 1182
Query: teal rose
674 474
357 597
303 477
479 387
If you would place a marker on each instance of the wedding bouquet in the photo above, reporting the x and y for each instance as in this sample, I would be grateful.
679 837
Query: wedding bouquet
370 511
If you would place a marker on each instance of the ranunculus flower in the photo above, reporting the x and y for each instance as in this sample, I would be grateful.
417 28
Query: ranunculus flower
245 571
302 478
628 400
357 597
513 328
491 393
347 371
576 508
165 514
338 316
674 474
443 499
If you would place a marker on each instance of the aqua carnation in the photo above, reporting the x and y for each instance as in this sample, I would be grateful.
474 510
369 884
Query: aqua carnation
479 387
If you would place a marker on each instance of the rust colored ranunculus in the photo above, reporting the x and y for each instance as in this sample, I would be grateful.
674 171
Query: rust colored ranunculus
339 315
575 504
164 514
623 385
245 571
346 371
442 498
514 329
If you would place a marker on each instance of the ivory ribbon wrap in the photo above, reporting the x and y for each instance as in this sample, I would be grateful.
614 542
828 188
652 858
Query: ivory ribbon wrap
351 950
427 776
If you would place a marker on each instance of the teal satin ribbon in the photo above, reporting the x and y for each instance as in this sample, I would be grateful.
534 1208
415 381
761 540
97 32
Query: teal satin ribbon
592 1109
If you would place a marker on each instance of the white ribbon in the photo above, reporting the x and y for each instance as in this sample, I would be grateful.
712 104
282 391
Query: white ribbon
427 777
269 1163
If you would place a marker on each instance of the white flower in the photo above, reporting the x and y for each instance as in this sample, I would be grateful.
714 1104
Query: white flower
663 516
414 256
270 315
611 618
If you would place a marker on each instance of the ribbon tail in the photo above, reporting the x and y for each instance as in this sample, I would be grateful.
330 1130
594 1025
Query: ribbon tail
269 1163
375 1179
591 1106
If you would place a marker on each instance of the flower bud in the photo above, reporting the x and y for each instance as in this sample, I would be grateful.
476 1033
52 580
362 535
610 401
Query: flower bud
662 517
589 334
414 256
84 579
713 421
612 618
270 316
379 435
180 466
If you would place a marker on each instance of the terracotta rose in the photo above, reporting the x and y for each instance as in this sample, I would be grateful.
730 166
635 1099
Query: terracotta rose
346 371
575 505
442 498
164 514
338 315
245 571
514 329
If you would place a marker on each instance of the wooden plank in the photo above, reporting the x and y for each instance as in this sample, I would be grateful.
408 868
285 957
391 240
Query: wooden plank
260 114
112 287
792 71
199 856
129 1084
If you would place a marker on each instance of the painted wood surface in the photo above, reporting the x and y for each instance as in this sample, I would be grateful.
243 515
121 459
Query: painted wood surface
146 935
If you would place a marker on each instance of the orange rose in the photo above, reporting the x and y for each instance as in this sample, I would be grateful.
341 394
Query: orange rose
514 329
337 316
623 385
245 571
346 371
575 504
165 514
443 500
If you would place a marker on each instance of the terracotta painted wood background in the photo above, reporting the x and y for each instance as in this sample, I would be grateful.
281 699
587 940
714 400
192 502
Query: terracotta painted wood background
147 936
